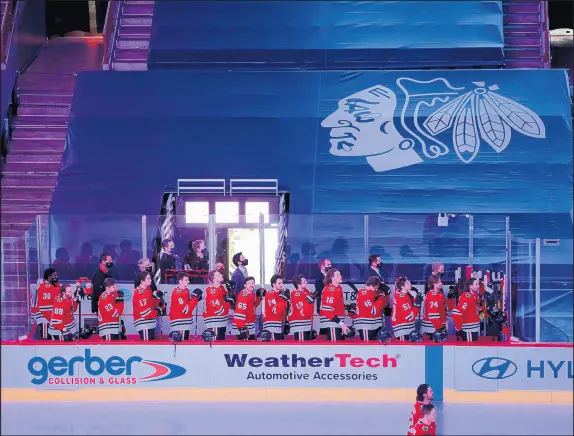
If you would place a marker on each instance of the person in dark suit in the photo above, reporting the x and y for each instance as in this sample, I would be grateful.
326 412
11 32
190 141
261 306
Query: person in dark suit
238 277
102 273
374 268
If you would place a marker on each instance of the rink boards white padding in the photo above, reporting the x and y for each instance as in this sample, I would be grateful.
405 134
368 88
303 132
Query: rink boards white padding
286 372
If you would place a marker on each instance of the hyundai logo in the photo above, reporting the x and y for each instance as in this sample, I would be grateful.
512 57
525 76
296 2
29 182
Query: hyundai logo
494 368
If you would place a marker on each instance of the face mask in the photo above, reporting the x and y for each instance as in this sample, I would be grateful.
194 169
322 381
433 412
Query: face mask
327 268
109 264
245 262
148 268
54 280
439 274
204 251
379 265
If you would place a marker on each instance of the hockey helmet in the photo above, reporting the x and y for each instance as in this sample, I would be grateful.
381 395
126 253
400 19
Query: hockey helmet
415 336
208 335
175 336
384 336
440 336
264 336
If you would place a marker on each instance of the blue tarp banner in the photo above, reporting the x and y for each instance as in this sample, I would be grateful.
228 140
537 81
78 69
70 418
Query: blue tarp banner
466 141
282 35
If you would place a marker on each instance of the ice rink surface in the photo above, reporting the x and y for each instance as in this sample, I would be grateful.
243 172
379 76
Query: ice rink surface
196 418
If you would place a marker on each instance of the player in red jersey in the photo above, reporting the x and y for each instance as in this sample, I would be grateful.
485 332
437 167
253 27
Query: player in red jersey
216 304
110 310
332 313
183 303
275 308
145 308
426 426
370 302
467 314
301 309
62 323
403 319
424 397
48 290
434 307
244 316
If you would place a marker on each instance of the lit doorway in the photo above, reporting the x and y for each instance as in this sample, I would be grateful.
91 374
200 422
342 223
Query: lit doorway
247 241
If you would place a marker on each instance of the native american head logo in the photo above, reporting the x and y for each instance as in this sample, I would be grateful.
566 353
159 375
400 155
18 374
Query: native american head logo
433 114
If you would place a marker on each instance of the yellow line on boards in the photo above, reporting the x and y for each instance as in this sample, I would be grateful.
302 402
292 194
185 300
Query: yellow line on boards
526 397
277 395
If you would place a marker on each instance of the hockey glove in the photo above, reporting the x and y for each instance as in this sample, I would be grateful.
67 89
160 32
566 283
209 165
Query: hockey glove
285 294
260 292
197 293
243 334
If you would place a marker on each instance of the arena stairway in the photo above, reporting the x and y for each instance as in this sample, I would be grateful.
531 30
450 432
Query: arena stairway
131 46
34 159
526 34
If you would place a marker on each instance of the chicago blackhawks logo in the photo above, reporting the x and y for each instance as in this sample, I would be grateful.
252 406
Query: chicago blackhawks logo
435 119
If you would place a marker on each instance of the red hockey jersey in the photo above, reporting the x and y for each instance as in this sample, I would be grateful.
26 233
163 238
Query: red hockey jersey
435 312
369 310
109 313
144 305
465 315
332 304
403 318
45 295
215 309
63 321
245 306
421 429
415 418
274 311
181 309
301 311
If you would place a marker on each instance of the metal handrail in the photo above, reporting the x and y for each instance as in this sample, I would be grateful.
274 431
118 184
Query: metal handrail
110 31
7 29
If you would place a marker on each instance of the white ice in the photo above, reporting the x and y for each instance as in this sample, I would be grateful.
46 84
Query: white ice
196 418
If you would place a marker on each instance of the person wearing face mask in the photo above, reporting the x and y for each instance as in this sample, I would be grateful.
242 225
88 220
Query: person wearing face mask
48 290
196 259
63 324
145 265
403 318
375 264
102 273
240 273
168 261
145 308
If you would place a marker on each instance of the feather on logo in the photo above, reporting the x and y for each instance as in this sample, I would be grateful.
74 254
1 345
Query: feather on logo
483 114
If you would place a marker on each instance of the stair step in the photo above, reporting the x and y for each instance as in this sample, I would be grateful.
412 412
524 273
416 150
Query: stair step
522 53
18 182
33 158
522 31
129 66
135 31
522 19
47 146
37 209
522 41
124 42
136 21
45 110
130 55
521 7
20 195
11 233
60 132
20 219
40 121
46 99
522 63
137 9
31 167
47 83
